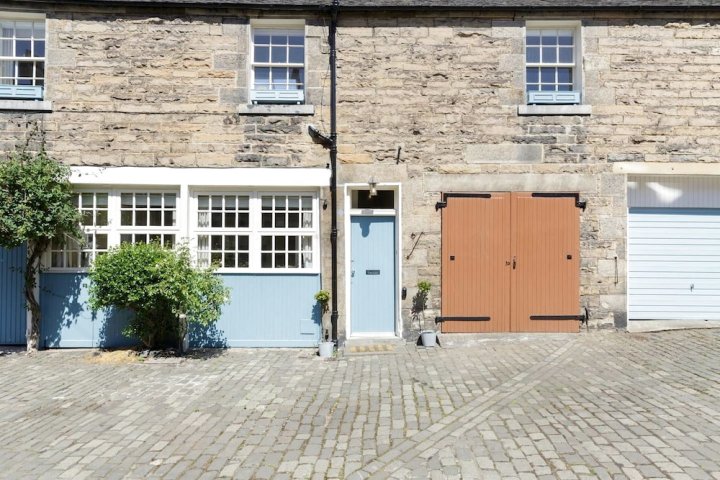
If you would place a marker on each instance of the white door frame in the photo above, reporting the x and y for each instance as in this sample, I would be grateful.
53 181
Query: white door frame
396 187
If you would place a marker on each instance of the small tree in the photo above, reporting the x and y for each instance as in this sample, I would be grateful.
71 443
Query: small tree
35 209
160 286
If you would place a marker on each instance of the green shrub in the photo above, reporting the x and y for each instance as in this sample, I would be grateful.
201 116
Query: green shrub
322 297
158 285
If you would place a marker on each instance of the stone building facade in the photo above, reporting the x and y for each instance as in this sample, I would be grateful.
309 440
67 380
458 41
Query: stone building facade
431 100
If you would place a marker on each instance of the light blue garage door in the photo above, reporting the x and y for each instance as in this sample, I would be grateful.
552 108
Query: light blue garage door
13 319
674 264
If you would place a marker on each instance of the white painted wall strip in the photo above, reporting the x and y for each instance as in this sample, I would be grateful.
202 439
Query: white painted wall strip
674 191
197 177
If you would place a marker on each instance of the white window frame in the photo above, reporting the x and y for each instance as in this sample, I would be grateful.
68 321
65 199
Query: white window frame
255 229
15 90
577 71
287 27
162 230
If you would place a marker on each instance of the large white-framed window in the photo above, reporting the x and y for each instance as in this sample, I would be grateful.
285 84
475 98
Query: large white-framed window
148 216
256 231
246 231
94 222
22 55
553 59
277 62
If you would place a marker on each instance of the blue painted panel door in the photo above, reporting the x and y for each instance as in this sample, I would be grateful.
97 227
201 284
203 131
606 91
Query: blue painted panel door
372 282
13 319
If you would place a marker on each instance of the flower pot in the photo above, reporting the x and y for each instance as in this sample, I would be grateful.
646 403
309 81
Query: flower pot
429 338
326 349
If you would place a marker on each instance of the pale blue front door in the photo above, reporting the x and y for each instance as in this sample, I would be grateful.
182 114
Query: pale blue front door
372 275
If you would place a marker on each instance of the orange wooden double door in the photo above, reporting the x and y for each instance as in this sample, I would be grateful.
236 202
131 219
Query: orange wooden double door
510 263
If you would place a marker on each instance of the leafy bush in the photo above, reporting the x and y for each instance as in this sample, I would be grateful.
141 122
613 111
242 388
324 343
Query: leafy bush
159 285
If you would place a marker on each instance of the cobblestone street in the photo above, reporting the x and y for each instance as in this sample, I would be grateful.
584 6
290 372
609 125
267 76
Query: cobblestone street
541 406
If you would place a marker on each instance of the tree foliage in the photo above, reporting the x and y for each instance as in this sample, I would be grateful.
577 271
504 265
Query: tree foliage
35 209
159 285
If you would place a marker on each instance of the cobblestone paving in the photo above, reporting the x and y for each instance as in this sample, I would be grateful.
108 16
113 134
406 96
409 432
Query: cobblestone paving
547 406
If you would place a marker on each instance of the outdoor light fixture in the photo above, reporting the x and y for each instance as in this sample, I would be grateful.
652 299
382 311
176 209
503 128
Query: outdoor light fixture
373 187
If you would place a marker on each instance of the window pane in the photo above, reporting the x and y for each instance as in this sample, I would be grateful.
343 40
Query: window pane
169 241
266 260
243 220
87 217
266 243
39 28
156 218
203 242
23 48
262 54
229 202
279 55
25 69
23 29
141 218
306 203
293 243
126 200
267 203
549 55
243 203
279 260
126 217
532 75
267 220
243 260
102 218
216 258
56 260
216 220
293 261
101 200
307 220
155 200
279 243
279 78
230 242
230 220
533 37
262 76
296 40
564 75
101 241
203 202
229 260
155 238
217 203
565 37
170 218
216 242
262 39
279 39
243 242
547 75
293 220
126 238
296 78
549 37
39 49
279 220
297 55
566 55
141 200
532 55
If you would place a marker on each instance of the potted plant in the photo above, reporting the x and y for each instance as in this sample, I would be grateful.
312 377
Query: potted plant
428 337
327 346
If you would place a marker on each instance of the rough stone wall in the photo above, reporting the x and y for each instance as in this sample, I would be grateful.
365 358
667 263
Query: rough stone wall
427 100
446 89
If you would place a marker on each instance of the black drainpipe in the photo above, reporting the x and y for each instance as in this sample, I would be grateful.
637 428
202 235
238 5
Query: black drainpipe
333 170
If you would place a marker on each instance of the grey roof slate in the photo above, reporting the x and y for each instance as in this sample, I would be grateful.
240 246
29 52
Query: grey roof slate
411 5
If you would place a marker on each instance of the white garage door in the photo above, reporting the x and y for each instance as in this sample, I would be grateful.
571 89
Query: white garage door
674 264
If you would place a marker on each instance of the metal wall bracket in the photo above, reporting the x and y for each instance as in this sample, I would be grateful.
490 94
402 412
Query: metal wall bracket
582 204
583 318
461 319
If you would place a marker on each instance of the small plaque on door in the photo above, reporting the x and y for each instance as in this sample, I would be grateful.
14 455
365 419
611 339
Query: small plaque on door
372 272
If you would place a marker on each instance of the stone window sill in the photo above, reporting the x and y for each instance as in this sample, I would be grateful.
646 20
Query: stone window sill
26 105
271 109
524 110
